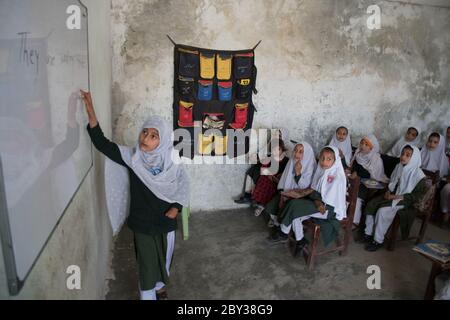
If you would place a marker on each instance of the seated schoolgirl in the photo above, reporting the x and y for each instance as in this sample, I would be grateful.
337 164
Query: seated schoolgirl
341 140
253 173
324 201
433 155
367 164
406 187
266 185
296 178
411 137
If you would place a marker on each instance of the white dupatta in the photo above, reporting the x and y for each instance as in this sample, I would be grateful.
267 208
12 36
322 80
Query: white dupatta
170 185
396 150
345 146
372 161
434 160
287 180
406 178
332 185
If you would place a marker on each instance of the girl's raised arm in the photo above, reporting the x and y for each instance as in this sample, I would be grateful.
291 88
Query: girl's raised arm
89 108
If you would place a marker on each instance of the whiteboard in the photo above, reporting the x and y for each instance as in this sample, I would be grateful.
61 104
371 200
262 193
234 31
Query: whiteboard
45 152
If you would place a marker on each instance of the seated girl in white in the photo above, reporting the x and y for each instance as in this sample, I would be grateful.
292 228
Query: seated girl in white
433 154
411 137
296 177
325 200
406 187
367 164
341 140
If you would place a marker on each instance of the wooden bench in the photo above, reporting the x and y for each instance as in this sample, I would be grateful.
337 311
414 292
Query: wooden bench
311 252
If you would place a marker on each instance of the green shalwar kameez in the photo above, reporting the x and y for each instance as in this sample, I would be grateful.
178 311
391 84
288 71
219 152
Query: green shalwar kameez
407 214
147 218
296 208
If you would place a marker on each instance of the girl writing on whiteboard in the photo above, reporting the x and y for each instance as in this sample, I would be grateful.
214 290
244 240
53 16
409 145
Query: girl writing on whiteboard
158 188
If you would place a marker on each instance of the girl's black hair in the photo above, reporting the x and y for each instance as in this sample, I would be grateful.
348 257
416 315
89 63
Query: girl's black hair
407 147
435 135
412 128
281 144
342 127
328 149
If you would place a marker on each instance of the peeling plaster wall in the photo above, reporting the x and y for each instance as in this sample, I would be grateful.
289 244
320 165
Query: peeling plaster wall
83 236
319 67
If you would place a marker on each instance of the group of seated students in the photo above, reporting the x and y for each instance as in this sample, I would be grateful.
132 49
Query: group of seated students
306 187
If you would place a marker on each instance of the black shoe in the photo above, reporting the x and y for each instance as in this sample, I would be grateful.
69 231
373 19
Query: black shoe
298 246
277 237
365 239
301 244
246 198
373 246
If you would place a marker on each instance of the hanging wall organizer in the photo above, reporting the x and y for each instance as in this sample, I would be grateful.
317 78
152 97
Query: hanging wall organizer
213 92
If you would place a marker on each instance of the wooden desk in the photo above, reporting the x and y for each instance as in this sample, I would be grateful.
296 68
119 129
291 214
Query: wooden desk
437 268
374 190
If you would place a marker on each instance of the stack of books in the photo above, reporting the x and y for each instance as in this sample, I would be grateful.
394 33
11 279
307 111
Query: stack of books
434 249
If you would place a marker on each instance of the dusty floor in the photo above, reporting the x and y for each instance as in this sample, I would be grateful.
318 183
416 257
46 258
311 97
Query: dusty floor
227 257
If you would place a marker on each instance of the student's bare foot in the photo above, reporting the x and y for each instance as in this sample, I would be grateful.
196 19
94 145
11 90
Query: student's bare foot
259 209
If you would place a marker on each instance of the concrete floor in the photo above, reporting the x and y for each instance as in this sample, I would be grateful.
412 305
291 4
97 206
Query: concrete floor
227 257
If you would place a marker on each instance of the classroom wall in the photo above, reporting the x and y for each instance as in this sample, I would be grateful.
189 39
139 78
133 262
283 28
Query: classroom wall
83 236
319 66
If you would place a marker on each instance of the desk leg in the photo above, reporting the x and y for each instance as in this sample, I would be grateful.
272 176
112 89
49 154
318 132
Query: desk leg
435 270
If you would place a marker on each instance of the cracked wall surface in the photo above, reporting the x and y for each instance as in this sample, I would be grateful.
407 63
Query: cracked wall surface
319 67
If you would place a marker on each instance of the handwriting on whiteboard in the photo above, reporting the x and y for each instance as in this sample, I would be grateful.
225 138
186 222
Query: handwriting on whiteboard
28 55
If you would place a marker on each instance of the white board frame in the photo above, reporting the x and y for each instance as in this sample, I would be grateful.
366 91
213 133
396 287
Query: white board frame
14 283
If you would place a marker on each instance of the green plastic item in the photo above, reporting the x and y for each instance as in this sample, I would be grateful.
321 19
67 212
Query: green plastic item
185 212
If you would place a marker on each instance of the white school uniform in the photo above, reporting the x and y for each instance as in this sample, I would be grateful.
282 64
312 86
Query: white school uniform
345 147
404 180
434 160
373 163
332 185
287 180
396 150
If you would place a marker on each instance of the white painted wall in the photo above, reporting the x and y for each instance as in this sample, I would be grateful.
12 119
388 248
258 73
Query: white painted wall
319 67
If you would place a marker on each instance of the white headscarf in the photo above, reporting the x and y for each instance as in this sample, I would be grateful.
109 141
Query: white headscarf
372 161
332 185
287 181
170 185
436 159
345 147
396 150
406 178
